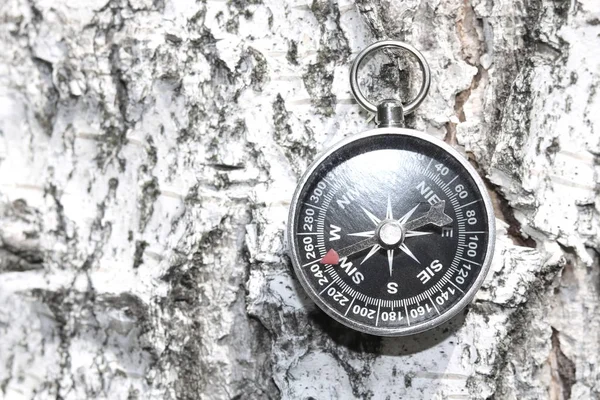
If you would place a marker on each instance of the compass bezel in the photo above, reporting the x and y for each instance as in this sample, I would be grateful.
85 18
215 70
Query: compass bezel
466 299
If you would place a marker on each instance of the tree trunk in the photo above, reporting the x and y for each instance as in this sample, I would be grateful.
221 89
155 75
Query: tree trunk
148 154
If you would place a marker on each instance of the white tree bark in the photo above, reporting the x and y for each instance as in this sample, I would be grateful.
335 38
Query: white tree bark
148 154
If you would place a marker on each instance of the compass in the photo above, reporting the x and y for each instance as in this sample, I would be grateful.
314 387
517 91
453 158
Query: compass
391 231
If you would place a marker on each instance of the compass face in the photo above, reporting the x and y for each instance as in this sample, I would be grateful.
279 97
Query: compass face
391 232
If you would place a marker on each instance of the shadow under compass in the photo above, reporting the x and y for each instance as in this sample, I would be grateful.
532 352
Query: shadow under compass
359 342
416 343
394 346
377 345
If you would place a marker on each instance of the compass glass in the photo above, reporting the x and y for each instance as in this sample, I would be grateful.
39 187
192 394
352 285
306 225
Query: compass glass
390 232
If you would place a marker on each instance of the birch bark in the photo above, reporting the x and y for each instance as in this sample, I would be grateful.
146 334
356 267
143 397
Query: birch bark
148 153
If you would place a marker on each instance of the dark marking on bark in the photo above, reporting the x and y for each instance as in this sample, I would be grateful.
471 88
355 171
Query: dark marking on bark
20 246
9 368
228 130
173 39
60 305
346 344
116 125
195 115
459 103
503 210
46 115
521 327
131 305
573 78
292 53
318 81
159 5
220 72
333 50
113 184
52 191
138 256
295 149
149 193
372 17
253 64
226 167
256 154
462 97
11 261
253 359
552 149
408 379
518 102
564 375
151 151
37 16
249 341
237 9
120 83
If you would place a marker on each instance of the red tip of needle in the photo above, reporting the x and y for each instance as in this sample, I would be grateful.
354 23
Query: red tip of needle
331 257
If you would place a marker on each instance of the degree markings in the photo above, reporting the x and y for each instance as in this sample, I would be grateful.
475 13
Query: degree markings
313 206
459 289
333 184
448 184
328 286
350 306
468 204
311 263
428 165
434 306
469 261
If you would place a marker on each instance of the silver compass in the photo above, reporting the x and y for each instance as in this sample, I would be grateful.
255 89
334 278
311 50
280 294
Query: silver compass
391 231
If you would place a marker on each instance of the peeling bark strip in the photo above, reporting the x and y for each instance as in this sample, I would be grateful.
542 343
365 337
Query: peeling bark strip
148 153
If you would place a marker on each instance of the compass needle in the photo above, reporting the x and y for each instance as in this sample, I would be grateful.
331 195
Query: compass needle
434 216
391 231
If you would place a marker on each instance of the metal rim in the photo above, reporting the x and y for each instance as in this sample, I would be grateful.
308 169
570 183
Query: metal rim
424 326
363 101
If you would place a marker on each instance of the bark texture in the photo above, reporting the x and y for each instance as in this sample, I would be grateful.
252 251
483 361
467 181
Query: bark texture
148 153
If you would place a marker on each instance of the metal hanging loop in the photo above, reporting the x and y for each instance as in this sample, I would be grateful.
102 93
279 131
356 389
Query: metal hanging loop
362 100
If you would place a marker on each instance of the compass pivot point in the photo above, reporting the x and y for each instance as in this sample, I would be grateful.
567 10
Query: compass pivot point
390 234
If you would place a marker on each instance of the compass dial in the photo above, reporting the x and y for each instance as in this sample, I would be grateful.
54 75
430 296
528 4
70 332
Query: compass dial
391 232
